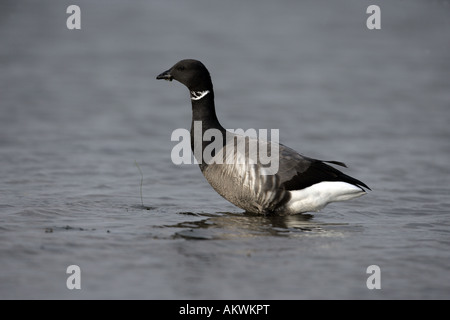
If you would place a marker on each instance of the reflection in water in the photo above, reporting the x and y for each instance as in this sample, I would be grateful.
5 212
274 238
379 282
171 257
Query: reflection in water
227 225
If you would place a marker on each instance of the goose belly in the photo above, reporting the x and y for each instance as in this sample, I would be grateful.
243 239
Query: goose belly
244 186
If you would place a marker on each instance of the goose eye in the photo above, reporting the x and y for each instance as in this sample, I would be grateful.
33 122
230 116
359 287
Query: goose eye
181 68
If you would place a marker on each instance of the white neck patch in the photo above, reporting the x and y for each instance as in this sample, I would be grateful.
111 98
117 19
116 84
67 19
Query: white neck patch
197 95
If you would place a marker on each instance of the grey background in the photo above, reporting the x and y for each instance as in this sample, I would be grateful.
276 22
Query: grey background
79 108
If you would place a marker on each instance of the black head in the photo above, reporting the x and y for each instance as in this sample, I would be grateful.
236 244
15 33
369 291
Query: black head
192 73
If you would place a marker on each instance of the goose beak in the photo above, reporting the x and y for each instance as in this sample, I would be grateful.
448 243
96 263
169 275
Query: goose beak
165 76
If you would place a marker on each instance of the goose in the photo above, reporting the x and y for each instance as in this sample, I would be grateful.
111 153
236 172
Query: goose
299 184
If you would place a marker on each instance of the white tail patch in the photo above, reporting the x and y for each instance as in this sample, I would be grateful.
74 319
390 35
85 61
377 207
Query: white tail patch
320 194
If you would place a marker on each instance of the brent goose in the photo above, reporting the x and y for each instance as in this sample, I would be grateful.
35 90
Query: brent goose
300 184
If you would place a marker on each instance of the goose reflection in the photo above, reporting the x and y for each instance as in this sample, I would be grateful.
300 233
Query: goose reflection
228 225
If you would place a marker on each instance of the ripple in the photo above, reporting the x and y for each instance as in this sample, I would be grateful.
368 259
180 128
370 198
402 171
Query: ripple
233 225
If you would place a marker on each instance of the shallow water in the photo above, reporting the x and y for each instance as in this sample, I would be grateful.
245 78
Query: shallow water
80 108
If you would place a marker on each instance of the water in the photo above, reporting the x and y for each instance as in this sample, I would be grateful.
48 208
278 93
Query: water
80 108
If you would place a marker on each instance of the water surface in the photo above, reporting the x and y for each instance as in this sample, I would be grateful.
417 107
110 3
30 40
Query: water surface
80 108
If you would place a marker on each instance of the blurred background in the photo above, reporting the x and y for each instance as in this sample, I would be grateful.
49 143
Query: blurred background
79 109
